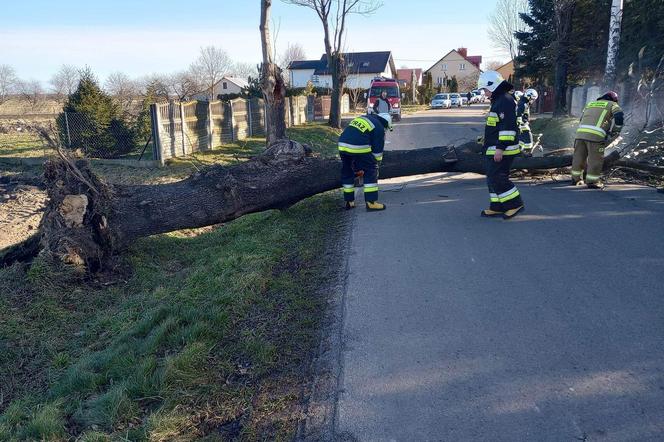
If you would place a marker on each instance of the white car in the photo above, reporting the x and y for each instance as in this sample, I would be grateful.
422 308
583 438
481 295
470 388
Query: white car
456 100
478 96
441 101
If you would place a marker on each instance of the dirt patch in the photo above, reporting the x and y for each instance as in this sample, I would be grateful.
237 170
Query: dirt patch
21 210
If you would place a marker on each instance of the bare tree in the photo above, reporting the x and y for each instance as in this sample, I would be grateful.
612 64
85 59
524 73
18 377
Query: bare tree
122 88
65 81
272 82
211 64
493 65
157 84
504 22
183 85
293 52
333 15
31 91
8 82
245 70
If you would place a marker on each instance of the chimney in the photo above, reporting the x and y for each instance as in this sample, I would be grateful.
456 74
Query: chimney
463 52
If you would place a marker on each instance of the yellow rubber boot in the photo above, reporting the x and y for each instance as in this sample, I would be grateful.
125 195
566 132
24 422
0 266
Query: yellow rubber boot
488 213
512 212
375 206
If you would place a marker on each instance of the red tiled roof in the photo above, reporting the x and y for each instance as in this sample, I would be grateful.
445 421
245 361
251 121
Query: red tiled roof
405 74
475 59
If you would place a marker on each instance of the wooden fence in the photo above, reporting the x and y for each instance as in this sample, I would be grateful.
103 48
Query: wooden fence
180 129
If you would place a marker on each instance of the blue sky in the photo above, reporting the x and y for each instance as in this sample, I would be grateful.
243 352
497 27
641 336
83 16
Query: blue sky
145 36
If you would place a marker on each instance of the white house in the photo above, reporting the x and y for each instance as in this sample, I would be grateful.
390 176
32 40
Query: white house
227 85
362 68
230 85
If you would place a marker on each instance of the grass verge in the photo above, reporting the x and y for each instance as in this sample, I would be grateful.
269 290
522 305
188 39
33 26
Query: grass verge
557 133
210 337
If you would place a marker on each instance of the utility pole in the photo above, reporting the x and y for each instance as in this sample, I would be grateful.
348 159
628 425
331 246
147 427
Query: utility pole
413 85
614 43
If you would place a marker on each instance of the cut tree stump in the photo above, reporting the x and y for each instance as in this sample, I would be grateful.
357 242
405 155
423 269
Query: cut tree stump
88 221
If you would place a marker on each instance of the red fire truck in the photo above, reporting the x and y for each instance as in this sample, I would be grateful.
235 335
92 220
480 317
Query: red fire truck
391 86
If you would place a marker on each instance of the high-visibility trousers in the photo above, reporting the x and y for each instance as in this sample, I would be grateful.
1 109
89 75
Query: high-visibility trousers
503 194
587 155
367 163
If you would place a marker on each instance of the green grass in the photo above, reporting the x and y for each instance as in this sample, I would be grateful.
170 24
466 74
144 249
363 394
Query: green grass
558 133
209 336
22 145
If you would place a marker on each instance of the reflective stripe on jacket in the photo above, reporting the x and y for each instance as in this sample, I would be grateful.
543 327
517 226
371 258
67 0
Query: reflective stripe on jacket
364 134
596 120
501 130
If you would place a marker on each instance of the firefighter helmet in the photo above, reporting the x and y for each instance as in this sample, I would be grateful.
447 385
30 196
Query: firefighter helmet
518 95
531 94
387 120
489 80
612 95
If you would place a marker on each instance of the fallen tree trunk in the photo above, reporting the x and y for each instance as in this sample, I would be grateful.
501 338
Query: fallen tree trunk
87 221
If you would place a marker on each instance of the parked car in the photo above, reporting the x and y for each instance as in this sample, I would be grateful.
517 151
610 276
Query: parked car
479 96
464 98
456 100
390 85
441 101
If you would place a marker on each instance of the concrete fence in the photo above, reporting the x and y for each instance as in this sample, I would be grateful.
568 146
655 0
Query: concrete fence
180 129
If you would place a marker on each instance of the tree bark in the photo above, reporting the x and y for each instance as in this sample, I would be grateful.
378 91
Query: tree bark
338 71
272 83
113 217
564 10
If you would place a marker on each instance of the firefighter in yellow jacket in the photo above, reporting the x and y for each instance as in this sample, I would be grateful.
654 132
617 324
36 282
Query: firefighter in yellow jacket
594 133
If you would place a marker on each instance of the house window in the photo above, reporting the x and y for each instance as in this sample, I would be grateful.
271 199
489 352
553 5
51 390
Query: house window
224 85
440 80
462 66
444 66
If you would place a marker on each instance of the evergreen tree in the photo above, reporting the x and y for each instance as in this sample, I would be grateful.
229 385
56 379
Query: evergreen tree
93 123
535 43
642 26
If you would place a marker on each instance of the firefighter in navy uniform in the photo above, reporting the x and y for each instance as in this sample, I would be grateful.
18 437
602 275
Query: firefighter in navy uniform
361 149
500 146
523 119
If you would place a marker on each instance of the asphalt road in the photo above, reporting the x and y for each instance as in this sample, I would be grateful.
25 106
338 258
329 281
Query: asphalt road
438 127
547 327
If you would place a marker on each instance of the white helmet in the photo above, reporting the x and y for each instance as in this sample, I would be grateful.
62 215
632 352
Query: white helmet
387 118
518 95
531 94
489 80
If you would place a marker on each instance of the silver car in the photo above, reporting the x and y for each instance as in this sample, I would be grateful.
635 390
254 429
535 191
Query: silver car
456 100
441 101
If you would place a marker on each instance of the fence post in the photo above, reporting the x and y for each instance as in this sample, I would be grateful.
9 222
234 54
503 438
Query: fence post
67 127
230 106
210 126
184 129
156 139
251 118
